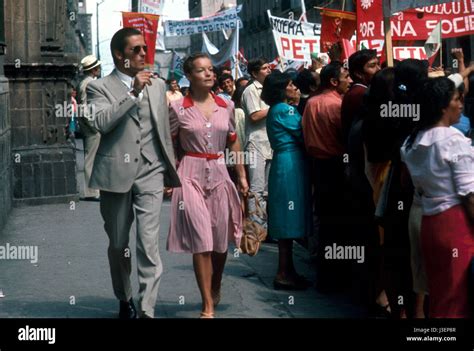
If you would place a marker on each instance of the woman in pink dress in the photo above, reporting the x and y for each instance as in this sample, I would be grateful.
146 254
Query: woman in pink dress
205 212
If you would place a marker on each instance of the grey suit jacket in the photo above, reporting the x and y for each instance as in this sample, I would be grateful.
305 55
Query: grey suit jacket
86 127
117 159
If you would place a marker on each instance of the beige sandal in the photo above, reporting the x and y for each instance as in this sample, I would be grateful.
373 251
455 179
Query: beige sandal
207 315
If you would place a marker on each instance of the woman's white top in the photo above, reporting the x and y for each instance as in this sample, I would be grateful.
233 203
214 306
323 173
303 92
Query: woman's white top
441 165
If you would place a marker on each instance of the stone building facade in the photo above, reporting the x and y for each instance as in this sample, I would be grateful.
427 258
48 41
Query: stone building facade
5 131
44 45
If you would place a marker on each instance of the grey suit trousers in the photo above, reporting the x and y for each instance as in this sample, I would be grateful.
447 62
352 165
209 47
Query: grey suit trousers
91 144
118 210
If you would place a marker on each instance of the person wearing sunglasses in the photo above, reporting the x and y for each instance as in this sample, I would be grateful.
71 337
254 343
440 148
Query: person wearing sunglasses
133 164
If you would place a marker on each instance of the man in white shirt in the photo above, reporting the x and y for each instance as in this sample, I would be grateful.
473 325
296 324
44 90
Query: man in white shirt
256 133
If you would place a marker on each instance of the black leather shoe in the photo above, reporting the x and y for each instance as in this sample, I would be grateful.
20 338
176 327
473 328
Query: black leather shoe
127 310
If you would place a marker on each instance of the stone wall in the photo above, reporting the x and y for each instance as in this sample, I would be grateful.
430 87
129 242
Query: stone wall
5 134
41 61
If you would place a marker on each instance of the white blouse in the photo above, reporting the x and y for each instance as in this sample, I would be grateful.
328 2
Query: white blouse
441 165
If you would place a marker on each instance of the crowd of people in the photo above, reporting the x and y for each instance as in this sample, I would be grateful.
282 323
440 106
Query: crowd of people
355 155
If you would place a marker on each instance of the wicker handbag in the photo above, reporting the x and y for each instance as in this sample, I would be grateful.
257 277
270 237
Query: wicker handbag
253 233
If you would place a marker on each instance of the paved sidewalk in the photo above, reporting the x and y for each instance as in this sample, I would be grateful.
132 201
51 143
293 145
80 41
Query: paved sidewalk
71 278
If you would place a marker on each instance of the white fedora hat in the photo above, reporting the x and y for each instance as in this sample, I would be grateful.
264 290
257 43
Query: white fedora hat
89 62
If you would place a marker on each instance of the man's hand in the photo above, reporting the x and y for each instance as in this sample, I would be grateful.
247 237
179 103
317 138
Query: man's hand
243 186
141 79
168 192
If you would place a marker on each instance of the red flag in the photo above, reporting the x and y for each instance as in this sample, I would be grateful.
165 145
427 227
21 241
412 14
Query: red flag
336 25
148 25
346 50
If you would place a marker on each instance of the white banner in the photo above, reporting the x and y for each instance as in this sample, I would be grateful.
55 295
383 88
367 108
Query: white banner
295 40
224 20
225 53
167 9
152 6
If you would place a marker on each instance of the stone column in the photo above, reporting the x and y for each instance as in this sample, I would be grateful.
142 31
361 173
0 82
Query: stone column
40 65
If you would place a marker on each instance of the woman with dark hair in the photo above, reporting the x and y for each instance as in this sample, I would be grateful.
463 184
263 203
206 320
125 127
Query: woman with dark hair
408 76
441 163
379 140
289 201
206 212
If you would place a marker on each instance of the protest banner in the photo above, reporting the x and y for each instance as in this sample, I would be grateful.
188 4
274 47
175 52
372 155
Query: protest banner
457 19
336 26
409 52
224 20
295 40
393 6
148 25
152 6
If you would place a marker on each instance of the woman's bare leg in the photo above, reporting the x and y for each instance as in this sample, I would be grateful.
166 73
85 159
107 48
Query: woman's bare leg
202 263
218 263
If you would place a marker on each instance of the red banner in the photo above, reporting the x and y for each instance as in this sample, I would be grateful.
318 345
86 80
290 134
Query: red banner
335 26
457 20
148 25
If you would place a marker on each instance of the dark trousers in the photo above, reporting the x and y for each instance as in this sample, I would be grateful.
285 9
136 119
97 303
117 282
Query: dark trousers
330 203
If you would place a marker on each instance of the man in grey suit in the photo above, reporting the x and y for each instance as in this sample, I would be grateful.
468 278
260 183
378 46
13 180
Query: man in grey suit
134 162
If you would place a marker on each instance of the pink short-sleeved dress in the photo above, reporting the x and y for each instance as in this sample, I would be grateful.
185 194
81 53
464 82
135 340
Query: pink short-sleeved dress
205 212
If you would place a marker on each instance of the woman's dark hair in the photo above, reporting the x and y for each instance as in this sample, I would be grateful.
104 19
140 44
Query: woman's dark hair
274 88
331 71
237 97
358 60
119 40
188 64
379 134
434 96
408 76
305 80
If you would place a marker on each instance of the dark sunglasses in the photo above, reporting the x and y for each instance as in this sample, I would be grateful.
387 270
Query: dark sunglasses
137 49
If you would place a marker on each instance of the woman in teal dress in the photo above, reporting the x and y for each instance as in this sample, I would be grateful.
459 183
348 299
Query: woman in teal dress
289 192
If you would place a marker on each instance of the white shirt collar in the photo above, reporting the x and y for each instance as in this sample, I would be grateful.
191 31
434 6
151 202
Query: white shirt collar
257 84
126 79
